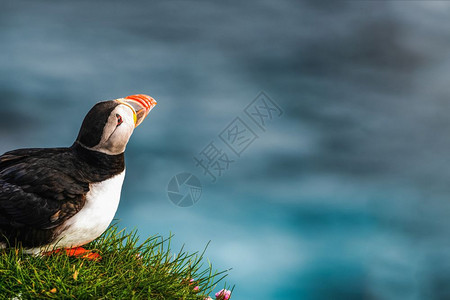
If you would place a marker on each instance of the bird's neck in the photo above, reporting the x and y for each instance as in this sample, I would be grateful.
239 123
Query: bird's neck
99 163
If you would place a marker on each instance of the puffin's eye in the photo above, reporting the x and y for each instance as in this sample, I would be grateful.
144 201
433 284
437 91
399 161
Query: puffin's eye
119 119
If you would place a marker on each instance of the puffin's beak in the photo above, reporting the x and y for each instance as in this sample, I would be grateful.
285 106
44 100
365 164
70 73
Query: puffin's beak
141 105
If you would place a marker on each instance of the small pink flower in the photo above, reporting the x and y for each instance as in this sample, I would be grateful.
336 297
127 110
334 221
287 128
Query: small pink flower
192 281
223 294
209 298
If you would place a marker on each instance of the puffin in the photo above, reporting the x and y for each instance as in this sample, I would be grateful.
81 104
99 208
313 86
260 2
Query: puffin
59 199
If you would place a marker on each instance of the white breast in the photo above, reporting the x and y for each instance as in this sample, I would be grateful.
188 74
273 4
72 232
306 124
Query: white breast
95 216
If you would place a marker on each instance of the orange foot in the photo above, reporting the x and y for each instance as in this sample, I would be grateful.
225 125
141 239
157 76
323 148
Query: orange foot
78 252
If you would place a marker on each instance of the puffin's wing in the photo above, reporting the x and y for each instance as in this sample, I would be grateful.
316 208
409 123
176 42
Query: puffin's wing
37 188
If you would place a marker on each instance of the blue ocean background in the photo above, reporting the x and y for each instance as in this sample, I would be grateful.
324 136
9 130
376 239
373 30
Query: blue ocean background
344 196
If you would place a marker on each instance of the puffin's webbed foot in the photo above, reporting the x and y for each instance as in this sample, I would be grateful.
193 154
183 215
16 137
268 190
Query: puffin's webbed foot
77 252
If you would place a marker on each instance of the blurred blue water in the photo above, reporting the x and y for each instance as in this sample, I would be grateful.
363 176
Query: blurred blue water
343 197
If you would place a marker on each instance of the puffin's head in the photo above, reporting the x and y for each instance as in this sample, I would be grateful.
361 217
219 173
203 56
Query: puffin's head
108 125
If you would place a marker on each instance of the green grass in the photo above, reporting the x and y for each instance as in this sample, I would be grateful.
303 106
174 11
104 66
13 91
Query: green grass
128 270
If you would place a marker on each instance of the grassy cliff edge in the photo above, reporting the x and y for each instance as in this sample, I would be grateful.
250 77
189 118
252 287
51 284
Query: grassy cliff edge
128 270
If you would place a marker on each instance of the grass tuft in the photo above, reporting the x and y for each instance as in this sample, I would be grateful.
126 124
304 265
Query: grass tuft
128 270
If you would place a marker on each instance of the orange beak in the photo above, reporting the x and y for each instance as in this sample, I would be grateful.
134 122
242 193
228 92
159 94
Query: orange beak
140 104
